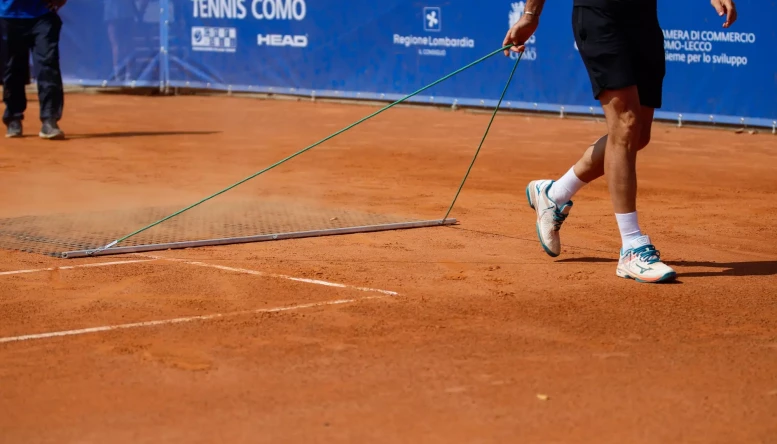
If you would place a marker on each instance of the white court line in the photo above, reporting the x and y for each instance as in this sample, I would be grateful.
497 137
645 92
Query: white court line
85 331
278 276
71 267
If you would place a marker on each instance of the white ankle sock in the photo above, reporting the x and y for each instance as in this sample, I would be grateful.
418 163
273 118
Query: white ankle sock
563 189
629 228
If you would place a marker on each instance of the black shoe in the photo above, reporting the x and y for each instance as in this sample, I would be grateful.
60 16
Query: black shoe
51 131
14 129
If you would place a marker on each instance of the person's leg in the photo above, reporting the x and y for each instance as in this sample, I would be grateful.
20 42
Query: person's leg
45 53
17 62
608 40
589 168
603 48
591 165
624 124
628 124
629 130
544 194
615 154
639 259
3 55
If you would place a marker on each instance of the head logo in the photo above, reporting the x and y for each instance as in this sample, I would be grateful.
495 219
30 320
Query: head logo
517 12
432 19
197 35
294 41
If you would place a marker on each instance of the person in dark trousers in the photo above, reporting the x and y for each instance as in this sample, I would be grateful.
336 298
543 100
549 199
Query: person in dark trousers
32 25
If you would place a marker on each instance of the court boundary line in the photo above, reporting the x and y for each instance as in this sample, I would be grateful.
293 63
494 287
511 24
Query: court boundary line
275 275
180 320
148 258
382 294
73 267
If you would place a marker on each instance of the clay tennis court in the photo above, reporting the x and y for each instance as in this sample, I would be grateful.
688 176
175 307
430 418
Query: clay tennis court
467 333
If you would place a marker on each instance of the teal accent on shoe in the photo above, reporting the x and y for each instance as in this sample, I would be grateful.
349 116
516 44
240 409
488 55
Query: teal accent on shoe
642 269
528 198
558 216
648 254
550 253
546 190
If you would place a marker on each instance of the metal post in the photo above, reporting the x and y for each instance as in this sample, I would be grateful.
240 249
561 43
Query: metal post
164 46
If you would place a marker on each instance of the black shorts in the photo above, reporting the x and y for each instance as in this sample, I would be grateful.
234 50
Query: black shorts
622 45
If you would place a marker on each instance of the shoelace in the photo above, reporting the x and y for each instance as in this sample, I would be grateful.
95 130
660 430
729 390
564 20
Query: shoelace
558 219
648 254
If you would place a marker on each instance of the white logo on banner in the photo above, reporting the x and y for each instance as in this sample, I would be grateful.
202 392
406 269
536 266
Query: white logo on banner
433 46
279 9
692 46
294 41
206 38
260 9
516 12
432 19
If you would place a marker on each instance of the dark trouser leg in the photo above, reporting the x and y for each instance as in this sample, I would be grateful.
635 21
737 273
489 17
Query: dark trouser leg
15 35
45 54
3 56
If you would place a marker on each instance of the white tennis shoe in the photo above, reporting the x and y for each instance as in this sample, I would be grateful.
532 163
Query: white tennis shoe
550 215
642 262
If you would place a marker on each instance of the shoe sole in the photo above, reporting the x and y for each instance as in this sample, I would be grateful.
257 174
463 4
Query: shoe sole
550 253
13 136
672 275
537 225
60 136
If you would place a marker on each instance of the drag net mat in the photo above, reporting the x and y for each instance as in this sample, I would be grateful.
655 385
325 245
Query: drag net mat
54 234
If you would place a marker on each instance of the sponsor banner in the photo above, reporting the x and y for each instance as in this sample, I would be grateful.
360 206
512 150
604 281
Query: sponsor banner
393 47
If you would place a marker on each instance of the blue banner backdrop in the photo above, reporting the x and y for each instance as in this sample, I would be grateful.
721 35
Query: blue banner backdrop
386 49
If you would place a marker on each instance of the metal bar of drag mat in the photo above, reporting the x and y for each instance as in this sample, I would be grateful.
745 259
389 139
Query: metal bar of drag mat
258 238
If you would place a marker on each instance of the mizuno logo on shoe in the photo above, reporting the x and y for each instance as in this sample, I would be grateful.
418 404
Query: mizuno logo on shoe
642 270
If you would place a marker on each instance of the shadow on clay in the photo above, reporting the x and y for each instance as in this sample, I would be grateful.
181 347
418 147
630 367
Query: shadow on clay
139 134
754 268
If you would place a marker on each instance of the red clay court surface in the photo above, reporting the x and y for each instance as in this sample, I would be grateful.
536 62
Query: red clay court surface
487 339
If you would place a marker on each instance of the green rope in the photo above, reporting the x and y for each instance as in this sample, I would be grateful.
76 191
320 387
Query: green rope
488 128
331 136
